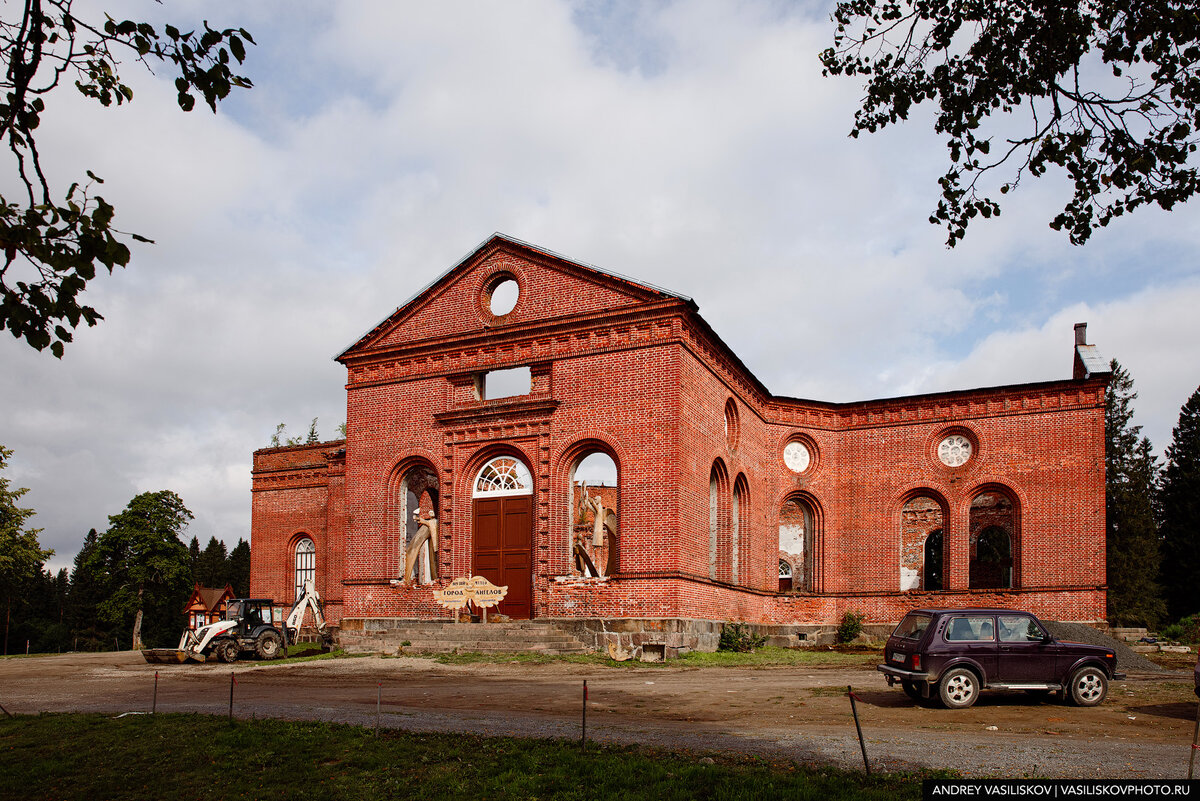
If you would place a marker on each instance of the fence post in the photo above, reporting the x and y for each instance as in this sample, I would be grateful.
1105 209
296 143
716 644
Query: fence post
154 703
583 731
232 682
862 745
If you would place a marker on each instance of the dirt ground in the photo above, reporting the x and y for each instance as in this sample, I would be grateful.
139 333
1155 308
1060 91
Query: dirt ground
1143 730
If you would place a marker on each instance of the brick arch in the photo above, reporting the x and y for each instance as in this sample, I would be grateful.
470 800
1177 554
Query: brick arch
563 497
294 560
914 539
740 531
718 521
398 523
812 566
980 573
497 566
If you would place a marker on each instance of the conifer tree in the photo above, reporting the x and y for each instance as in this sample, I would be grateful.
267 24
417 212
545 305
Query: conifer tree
21 556
1180 498
1130 468
239 568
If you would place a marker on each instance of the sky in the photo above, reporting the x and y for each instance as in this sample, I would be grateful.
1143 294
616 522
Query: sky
692 145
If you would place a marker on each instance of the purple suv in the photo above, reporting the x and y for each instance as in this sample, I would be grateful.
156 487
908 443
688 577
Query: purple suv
952 654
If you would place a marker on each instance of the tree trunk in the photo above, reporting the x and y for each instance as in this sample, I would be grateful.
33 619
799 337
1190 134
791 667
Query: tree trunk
137 622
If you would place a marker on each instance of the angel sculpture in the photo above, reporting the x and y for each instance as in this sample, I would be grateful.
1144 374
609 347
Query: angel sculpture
427 532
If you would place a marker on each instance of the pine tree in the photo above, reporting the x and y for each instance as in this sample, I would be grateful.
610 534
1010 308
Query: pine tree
1180 499
211 570
239 568
21 556
1130 469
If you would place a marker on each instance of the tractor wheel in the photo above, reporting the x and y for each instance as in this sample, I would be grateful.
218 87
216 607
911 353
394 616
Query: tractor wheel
268 645
227 651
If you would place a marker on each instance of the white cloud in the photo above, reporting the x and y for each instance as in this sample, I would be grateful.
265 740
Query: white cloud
691 145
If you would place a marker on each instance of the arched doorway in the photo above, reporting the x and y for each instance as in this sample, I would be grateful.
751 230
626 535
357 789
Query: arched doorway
503 532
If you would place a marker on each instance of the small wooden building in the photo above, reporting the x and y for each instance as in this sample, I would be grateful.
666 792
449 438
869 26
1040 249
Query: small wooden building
206 605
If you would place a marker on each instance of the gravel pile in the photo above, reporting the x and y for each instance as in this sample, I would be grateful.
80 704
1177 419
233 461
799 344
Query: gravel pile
1127 658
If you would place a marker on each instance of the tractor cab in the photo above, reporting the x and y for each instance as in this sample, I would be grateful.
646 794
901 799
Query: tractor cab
251 615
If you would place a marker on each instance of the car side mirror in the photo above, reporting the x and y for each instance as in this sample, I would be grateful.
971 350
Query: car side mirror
1047 639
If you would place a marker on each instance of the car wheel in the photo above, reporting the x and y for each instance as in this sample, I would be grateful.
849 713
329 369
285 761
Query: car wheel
913 691
959 688
227 651
267 645
1088 686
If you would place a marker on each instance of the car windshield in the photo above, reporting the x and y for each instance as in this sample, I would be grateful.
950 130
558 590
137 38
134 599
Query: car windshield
912 627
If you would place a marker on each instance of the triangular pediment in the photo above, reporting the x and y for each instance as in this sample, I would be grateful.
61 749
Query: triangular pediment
551 287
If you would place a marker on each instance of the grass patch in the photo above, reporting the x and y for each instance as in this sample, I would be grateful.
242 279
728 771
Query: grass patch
771 656
768 656
196 756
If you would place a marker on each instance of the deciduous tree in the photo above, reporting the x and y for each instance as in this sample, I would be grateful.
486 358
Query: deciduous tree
1180 497
1108 91
143 557
53 242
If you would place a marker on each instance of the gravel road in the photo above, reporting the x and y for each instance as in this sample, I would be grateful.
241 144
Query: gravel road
1143 730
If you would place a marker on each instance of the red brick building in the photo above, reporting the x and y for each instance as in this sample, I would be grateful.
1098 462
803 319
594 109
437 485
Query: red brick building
718 500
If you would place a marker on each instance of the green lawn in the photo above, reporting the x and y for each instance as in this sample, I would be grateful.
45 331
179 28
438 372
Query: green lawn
767 656
202 757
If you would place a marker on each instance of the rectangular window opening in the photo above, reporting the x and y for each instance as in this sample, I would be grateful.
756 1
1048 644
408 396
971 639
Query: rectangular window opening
505 383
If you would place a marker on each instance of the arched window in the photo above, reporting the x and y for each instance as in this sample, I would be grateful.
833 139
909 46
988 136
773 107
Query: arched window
719 556
739 519
503 475
920 552
306 564
415 506
796 542
993 536
785 575
593 546
934 554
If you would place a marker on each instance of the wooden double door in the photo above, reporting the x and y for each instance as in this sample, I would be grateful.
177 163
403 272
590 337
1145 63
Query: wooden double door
503 550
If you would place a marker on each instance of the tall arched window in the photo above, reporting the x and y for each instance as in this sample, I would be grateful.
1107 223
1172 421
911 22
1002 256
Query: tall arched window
739 520
920 551
415 505
994 538
593 543
796 542
719 556
306 564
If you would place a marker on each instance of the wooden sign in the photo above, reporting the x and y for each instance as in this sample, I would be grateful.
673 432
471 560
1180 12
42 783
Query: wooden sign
455 595
476 590
485 594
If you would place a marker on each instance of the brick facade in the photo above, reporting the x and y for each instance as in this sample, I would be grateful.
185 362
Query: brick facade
634 372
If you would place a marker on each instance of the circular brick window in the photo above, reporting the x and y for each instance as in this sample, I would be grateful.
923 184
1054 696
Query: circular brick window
502 296
797 457
954 450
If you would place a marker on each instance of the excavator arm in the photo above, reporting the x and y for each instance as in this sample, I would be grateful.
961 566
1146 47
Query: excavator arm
309 599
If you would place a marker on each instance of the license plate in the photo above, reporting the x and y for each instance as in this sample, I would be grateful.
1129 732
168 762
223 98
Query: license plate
898 658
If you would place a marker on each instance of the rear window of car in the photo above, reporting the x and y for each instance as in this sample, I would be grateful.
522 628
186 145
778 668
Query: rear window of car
912 627
970 628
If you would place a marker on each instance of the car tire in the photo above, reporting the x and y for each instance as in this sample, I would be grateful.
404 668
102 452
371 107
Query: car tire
227 651
959 688
913 691
267 646
1088 686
